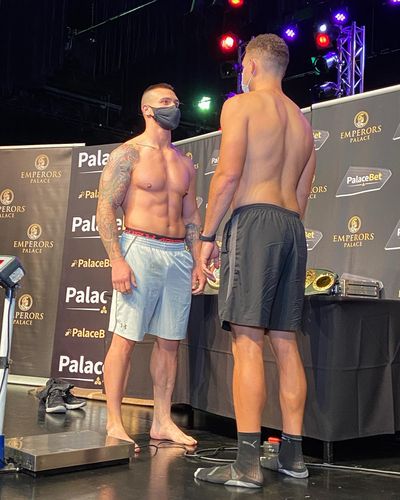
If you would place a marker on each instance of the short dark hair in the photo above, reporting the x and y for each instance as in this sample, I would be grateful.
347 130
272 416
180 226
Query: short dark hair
157 86
271 49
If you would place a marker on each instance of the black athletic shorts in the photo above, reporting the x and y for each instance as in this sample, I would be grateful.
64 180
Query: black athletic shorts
263 268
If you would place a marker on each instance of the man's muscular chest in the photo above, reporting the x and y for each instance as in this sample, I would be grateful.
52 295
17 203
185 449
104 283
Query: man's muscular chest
159 171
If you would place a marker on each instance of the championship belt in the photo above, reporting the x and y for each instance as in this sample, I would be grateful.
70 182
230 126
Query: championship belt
321 281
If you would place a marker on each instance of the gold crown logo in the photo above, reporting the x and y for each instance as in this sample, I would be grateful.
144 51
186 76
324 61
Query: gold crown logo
34 231
361 119
25 302
6 197
354 224
42 162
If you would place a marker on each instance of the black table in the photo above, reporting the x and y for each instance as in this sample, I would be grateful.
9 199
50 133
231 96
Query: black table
351 353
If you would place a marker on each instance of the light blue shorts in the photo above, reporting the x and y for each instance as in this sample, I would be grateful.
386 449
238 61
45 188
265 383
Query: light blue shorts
160 304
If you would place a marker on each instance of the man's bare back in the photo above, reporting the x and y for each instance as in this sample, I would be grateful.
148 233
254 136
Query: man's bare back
278 149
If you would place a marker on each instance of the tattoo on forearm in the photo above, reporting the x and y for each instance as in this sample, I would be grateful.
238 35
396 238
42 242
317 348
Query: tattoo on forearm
114 183
192 234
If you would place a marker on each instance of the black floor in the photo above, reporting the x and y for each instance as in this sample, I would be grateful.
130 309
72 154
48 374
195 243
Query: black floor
168 475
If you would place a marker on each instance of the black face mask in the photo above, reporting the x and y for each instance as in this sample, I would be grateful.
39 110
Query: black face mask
167 118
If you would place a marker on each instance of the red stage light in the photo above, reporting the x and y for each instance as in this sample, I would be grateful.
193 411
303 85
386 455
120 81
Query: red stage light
323 40
236 3
228 42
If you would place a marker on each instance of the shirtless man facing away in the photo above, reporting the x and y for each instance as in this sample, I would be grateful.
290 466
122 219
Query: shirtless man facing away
153 273
266 167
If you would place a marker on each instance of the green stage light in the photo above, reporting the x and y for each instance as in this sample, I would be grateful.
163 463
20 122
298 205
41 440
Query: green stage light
204 104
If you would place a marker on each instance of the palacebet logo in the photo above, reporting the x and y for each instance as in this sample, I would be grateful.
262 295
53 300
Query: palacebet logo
7 209
88 225
359 180
393 242
213 163
88 194
98 159
361 133
313 237
361 119
25 302
91 263
354 238
320 138
34 244
25 316
85 333
86 296
82 366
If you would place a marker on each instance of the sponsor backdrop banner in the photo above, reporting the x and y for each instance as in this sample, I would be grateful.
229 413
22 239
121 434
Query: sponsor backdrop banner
352 226
34 184
353 217
85 288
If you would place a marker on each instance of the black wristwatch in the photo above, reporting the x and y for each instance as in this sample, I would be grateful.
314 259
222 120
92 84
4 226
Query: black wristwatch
208 239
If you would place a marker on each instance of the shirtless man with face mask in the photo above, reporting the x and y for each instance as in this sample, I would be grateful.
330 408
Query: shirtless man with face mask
154 273
266 167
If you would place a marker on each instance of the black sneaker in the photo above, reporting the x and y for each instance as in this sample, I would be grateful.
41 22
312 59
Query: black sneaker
55 402
73 403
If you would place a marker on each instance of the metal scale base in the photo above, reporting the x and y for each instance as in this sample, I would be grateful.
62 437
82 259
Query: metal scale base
57 452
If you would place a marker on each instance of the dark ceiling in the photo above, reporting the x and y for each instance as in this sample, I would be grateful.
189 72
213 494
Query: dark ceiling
62 82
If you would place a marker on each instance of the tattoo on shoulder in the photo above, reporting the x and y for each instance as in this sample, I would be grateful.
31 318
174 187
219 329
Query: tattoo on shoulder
116 175
192 234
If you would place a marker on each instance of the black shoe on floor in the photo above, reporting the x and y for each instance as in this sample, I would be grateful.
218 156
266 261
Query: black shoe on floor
55 402
73 403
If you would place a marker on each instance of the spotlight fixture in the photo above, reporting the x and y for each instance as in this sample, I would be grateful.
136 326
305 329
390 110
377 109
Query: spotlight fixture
323 40
323 28
289 33
322 64
228 42
327 90
340 17
236 3
204 104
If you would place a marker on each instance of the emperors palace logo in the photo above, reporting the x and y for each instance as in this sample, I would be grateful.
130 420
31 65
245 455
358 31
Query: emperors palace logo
7 208
26 314
363 130
41 173
354 237
34 243
317 189
195 164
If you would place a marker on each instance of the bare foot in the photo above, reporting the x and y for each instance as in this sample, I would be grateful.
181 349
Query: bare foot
120 433
170 432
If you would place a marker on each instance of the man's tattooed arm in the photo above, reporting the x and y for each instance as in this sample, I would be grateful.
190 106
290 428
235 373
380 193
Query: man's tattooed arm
191 216
192 238
114 183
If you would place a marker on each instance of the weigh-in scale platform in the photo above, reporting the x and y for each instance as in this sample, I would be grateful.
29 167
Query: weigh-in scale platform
56 452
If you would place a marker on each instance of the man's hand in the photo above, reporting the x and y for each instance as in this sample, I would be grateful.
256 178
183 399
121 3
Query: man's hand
198 280
209 255
122 276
